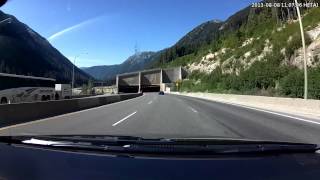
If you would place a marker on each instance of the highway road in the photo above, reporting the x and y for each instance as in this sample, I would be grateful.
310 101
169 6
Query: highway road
153 115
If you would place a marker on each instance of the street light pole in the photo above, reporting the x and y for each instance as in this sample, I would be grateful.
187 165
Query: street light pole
304 53
74 64
72 84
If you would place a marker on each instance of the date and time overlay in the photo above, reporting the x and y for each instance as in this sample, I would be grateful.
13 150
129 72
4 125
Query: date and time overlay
284 5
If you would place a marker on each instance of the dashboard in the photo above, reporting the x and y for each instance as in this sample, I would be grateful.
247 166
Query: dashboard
27 162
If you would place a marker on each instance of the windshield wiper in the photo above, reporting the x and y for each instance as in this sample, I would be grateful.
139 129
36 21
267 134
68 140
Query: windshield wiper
104 139
132 144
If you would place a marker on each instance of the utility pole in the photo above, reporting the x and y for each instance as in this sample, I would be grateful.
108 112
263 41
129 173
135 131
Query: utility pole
74 64
136 48
72 84
304 53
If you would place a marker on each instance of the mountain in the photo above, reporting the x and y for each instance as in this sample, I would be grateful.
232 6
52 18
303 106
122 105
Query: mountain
255 51
204 33
212 34
103 72
135 62
23 51
200 36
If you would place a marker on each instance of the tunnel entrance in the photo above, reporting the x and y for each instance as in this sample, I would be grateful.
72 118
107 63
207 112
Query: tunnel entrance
135 89
150 88
128 89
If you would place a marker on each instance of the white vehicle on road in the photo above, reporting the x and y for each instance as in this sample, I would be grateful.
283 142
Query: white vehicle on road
19 88
63 91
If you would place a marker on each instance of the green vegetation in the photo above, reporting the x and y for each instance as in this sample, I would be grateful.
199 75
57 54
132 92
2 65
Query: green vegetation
87 89
272 75
282 81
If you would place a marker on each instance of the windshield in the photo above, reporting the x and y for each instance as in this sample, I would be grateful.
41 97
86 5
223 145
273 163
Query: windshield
245 70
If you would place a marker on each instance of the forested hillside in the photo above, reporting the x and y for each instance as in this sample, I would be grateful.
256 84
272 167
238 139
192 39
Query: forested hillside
255 51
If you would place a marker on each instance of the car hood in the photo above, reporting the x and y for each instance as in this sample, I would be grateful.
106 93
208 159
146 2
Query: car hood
21 162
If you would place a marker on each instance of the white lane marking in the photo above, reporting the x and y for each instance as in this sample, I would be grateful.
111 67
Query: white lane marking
68 114
195 111
124 118
271 112
150 102
262 110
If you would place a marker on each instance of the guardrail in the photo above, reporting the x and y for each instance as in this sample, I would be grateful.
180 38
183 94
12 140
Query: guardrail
11 114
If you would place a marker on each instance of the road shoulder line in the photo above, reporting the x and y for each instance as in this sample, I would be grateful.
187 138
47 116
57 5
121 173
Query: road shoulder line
257 109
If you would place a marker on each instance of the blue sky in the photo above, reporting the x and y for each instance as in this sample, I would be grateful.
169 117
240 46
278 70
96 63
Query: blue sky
105 32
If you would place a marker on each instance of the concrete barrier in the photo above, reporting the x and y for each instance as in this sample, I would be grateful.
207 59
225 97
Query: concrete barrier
80 96
24 112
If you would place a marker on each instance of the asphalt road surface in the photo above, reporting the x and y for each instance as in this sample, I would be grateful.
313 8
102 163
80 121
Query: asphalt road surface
153 115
